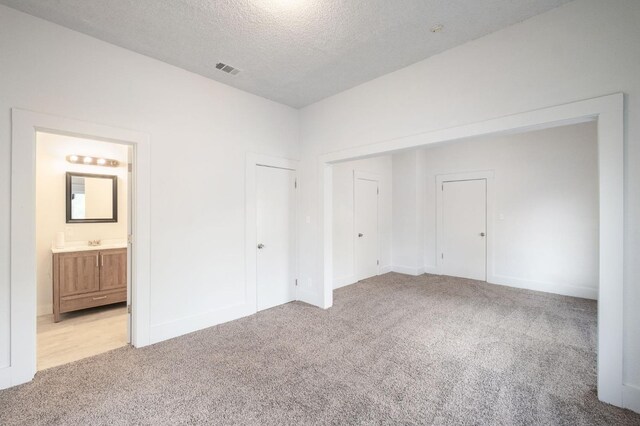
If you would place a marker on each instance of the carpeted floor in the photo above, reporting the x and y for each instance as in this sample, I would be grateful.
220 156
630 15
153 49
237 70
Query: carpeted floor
393 349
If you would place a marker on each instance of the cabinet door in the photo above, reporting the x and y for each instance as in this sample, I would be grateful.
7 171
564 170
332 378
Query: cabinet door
113 269
79 273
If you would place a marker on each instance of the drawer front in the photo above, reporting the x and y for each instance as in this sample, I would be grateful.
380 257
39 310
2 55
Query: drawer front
74 303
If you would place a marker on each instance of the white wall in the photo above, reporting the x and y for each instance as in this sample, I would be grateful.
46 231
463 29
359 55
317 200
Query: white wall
343 232
544 199
51 168
200 132
408 214
584 49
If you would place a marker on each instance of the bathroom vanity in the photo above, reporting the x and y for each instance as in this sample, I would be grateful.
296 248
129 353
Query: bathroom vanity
85 277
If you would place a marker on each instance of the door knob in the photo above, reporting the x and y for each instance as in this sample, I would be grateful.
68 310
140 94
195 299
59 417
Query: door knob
482 234
360 235
260 246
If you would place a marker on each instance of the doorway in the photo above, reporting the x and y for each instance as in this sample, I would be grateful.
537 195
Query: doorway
83 224
366 193
25 125
275 246
608 112
463 251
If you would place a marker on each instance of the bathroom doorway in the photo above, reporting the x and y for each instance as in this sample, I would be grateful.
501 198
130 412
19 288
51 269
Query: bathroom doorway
83 260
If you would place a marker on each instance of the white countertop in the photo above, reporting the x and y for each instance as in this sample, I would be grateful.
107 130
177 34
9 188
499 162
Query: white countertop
85 247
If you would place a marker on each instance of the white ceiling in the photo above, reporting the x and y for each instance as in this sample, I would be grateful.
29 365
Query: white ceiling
291 51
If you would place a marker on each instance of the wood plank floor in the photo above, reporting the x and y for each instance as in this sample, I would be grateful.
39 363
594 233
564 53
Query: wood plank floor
81 334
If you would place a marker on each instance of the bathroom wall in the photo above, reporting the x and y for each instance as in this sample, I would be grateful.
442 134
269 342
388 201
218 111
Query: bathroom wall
51 167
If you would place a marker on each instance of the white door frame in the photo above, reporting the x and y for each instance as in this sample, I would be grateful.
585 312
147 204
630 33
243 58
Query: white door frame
251 223
608 111
25 124
376 178
454 177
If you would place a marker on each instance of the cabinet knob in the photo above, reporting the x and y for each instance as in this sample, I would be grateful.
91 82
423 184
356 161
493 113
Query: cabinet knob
260 246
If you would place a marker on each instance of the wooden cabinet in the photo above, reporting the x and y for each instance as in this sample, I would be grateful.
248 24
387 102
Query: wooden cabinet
113 269
85 279
79 273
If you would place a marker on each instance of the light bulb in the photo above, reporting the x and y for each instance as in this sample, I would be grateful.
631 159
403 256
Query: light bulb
102 161
73 158
88 160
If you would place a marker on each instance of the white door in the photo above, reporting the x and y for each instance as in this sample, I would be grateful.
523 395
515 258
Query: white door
366 227
464 220
129 240
275 204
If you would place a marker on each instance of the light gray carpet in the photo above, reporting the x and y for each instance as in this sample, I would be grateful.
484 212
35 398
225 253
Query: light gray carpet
393 350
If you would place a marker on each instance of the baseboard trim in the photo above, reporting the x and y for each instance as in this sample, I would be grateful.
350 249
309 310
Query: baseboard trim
385 269
186 325
343 281
429 269
310 297
10 376
45 309
352 279
631 397
408 270
563 289
5 377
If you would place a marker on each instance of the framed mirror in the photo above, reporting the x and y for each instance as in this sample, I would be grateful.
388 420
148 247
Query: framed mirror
92 198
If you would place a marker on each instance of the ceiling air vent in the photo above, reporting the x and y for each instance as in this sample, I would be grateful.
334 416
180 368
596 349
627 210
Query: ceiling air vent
227 68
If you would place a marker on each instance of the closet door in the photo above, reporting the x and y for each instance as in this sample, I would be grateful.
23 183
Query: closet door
366 228
464 219
79 273
275 247
113 269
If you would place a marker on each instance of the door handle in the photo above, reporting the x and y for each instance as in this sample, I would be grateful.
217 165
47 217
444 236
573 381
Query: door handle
260 246
360 235
482 234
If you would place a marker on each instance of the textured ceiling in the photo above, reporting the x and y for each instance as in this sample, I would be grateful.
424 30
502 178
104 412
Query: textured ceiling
291 51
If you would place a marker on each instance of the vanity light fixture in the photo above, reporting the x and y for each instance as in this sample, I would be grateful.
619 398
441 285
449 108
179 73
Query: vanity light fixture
92 161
